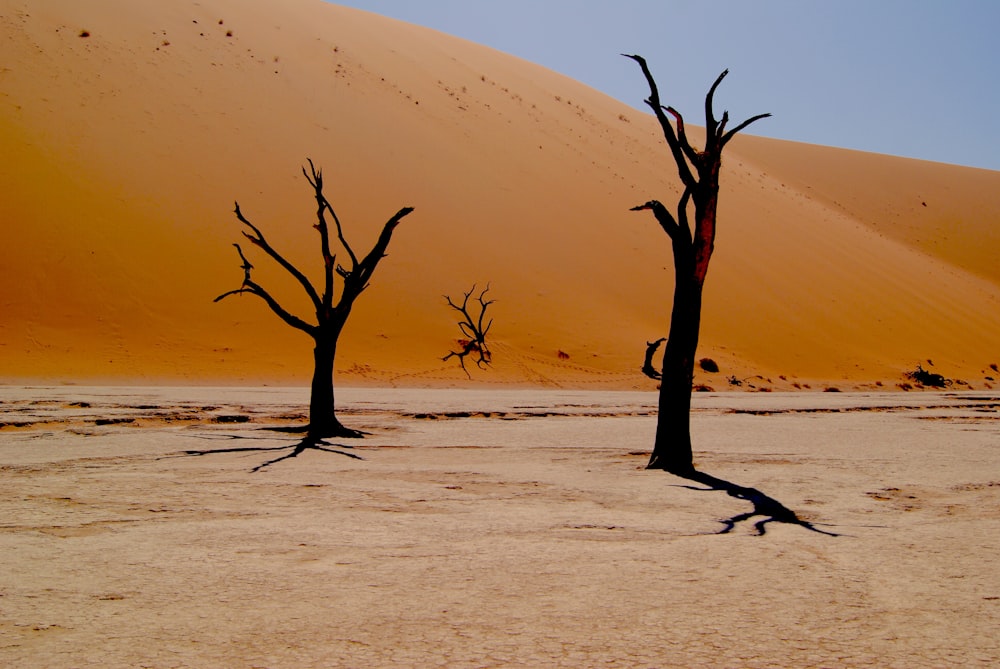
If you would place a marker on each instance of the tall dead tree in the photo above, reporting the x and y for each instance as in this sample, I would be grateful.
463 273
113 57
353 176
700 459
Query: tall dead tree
692 250
331 315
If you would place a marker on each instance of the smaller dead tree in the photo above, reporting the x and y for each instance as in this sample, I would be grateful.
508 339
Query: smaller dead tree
474 340
647 366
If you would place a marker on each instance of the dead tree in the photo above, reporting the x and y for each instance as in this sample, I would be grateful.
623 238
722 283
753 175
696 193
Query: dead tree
475 332
331 315
647 364
692 250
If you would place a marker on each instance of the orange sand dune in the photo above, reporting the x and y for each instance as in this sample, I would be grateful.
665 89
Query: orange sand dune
126 147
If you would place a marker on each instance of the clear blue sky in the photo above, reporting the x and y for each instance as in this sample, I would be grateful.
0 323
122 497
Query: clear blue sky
915 78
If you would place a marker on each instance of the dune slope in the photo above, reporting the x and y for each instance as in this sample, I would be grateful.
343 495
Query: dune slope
131 127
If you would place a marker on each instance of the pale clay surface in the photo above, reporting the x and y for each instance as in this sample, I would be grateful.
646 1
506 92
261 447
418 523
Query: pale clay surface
529 537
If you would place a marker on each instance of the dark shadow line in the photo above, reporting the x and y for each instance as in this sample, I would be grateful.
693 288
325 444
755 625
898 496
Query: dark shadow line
309 443
769 509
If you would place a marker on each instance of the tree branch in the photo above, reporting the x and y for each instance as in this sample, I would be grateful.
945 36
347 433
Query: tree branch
316 181
322 204
729 135
711 125
663 217
689 150
356 281
258 240
249 286
668 131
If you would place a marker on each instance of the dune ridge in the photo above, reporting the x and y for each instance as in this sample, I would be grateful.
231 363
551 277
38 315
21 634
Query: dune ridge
131 127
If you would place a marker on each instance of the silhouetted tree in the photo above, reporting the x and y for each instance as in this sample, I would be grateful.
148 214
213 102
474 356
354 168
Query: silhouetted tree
692 250
330 317
473 329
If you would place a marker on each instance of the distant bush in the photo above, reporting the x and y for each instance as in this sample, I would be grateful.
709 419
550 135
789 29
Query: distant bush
708 365
831 389
925 378
702 388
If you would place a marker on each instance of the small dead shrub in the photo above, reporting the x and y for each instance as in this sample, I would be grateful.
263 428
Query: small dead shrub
708 365
925 378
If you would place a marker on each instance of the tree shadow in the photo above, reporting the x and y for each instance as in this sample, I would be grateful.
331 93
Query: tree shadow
766 507
309 443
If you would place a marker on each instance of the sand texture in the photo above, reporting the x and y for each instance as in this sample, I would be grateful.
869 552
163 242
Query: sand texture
497 529
130 127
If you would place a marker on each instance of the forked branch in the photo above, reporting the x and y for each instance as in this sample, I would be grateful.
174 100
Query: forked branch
250 286
678 228
257 239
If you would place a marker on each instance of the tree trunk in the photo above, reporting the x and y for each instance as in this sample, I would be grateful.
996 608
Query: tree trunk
672 447
322 408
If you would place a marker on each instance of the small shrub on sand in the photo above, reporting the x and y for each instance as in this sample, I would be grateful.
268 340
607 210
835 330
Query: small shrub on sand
702 388
831 389
925 378
708 365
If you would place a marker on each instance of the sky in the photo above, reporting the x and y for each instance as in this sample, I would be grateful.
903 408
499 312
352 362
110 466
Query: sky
913 78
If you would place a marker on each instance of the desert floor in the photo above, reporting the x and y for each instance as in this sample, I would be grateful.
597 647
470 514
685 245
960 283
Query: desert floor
497 528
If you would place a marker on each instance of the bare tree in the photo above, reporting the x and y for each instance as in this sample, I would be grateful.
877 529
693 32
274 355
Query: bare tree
331 316
692 250
474 331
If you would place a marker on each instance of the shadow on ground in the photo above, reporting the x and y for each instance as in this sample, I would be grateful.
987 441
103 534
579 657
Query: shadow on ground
765 507
306 444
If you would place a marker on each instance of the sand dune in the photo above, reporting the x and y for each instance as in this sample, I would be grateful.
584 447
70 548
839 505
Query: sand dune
127 146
